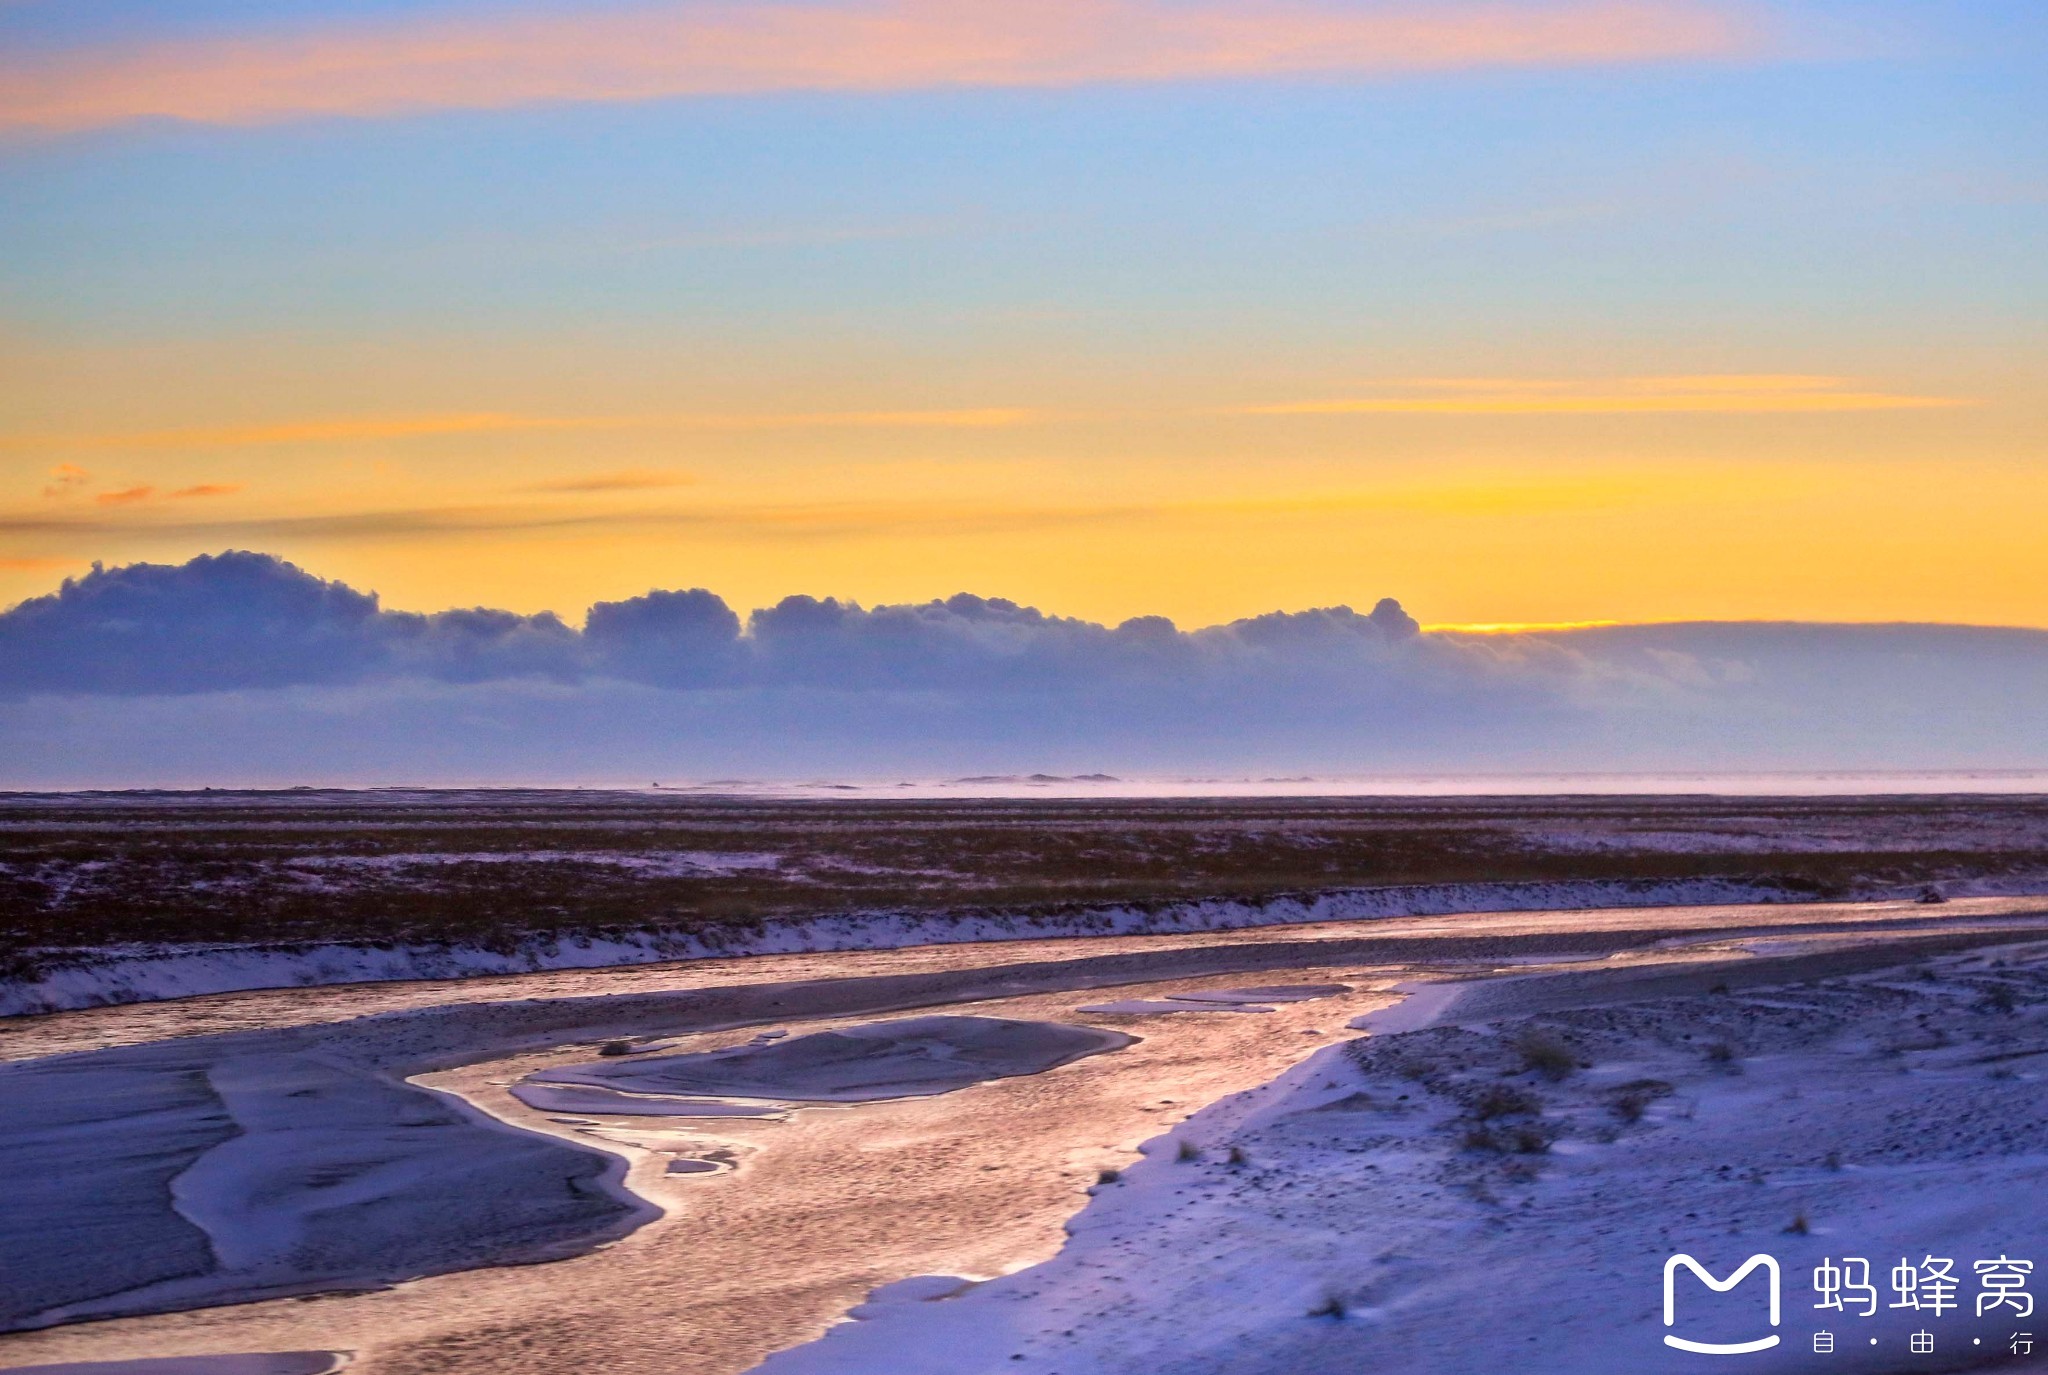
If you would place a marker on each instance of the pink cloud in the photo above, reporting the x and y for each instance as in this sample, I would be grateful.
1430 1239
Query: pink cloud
729 48
65 479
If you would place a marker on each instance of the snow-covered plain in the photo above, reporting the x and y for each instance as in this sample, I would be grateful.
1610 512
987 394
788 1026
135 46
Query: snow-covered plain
816 1206
1485 1186
136 973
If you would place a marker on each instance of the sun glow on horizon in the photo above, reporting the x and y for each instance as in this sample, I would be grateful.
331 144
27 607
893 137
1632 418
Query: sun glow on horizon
1734 394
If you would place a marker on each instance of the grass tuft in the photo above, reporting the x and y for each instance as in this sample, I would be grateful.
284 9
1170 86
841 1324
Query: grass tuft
1546 1055
1505 1100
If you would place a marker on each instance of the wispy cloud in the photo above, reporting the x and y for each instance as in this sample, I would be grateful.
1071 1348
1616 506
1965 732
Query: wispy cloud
65 479
360 429
75 478
377 68
1770 393
837 519
780 521
631 481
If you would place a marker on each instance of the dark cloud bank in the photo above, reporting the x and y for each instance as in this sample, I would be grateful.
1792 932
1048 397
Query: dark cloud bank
239 668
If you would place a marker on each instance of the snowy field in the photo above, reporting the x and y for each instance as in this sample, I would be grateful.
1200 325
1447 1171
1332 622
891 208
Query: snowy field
1199 1190
1502 1193
697 1086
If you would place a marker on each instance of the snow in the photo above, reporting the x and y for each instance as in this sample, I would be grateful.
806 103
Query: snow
219 1169
222 1168
138 973
1895 1113
299 1158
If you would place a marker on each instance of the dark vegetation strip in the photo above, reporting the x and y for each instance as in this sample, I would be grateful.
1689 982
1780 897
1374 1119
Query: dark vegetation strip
93 870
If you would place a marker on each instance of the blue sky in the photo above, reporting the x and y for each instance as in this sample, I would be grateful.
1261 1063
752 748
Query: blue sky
1869 185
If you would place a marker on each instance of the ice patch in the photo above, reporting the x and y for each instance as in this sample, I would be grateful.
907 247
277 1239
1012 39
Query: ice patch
1133 1006
1272 993
903 1058
611 1103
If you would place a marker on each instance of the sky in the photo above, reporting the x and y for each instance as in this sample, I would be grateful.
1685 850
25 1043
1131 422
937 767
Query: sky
1522 312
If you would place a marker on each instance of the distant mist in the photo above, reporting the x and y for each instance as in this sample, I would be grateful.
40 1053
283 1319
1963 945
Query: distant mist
239 668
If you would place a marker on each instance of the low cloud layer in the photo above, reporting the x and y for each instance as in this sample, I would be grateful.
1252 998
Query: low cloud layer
239 668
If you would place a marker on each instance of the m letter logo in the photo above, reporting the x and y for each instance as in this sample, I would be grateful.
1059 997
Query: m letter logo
1768 1263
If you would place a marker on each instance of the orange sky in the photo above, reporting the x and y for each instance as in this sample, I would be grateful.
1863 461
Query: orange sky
1473 500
